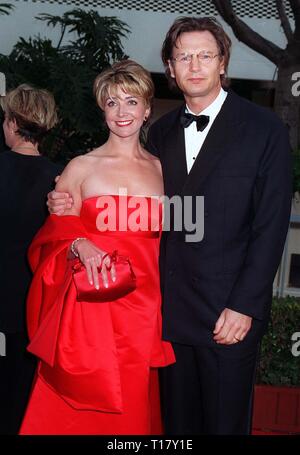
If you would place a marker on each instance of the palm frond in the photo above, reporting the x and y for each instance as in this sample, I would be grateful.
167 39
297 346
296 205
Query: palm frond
6 8
69 71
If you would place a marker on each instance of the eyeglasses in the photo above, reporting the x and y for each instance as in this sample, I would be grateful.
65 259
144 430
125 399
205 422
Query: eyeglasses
202 57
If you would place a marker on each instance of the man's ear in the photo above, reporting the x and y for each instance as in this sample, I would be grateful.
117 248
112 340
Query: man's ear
222 66
171 68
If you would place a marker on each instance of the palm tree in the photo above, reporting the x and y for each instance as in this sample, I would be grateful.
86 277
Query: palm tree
68 70
99 38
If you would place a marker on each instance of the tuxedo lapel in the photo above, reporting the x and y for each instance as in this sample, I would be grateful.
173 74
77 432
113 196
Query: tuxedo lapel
175 167
216 144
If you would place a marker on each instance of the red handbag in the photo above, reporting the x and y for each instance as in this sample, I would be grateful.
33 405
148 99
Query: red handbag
124 284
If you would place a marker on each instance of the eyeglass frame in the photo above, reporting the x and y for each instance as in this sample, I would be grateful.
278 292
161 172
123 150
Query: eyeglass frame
190 57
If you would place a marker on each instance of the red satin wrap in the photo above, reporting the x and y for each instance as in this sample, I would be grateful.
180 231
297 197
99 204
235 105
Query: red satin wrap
97 360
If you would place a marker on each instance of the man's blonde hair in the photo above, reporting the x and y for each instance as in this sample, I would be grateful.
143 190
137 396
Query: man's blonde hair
128 75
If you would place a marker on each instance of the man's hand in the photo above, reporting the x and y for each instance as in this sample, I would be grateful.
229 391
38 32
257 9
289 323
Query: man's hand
231 327
58 202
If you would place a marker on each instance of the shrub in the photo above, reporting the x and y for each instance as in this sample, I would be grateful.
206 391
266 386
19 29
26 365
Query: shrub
278 366
296 171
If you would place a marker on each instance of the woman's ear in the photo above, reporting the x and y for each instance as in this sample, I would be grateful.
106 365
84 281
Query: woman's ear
147 113
12 125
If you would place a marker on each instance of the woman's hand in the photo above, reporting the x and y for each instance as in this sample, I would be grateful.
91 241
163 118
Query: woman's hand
91 257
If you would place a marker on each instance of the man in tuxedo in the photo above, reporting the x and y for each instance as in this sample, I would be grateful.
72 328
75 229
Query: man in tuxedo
217 292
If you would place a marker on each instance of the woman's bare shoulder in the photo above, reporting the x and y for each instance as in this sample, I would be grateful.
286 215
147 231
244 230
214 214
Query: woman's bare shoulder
78 164
96 153
73 173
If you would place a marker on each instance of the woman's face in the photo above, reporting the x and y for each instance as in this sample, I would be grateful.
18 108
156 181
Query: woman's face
125 113
9 132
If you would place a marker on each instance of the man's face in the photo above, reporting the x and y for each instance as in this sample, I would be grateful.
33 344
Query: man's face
197 78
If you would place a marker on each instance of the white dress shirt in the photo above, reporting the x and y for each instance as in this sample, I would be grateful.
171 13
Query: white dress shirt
194 139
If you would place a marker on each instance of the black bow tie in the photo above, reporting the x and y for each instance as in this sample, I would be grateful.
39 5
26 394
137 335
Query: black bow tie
201 120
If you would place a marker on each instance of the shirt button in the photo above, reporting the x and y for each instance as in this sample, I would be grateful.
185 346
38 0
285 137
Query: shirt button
194 158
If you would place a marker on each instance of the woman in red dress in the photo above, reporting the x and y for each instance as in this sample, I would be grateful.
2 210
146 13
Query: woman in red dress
98 361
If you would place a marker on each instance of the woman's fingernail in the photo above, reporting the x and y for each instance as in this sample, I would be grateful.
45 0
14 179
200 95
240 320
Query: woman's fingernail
97 286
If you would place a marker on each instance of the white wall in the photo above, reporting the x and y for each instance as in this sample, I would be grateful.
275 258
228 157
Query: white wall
144 43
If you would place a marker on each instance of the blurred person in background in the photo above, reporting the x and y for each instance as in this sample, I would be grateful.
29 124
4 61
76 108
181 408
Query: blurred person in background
26 178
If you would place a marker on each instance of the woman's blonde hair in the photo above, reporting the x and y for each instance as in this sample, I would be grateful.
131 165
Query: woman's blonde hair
131 77
33 109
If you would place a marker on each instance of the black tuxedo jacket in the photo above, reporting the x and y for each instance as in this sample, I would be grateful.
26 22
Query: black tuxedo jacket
244 173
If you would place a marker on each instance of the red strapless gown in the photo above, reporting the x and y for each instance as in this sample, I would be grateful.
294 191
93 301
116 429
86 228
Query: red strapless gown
98 368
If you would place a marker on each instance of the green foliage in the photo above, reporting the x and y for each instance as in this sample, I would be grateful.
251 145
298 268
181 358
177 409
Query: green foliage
69 71
278 366
99 38
296 171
